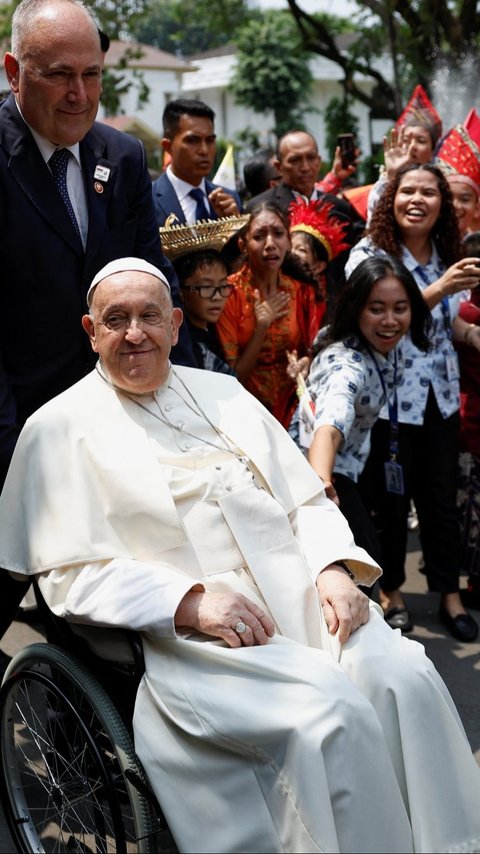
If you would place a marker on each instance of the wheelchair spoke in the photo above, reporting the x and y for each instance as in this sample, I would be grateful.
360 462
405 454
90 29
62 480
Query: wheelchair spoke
64 754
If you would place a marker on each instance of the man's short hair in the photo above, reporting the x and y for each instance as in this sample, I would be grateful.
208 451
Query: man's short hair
23 20
174 110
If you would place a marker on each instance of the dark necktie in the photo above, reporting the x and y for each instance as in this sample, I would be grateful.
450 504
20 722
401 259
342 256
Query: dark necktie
58 164
202 211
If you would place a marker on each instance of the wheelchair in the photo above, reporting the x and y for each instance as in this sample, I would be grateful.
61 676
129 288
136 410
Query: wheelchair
70 780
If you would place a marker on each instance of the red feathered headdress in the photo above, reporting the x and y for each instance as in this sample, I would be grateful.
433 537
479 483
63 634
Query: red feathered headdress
316 218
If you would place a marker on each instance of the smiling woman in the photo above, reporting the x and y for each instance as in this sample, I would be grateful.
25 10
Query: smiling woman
358 367
415 221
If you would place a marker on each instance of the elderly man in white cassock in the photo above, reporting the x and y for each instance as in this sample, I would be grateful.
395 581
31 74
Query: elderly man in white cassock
278 712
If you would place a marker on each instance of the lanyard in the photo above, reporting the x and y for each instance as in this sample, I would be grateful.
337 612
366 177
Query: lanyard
392 404
444 304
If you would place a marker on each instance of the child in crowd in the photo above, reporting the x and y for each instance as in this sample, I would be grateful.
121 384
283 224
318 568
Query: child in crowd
459 159
199 256
317 237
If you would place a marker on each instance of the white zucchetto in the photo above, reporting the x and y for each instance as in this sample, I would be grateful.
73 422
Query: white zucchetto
125 265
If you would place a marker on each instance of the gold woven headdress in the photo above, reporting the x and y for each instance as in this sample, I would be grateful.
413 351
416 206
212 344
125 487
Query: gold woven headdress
208 234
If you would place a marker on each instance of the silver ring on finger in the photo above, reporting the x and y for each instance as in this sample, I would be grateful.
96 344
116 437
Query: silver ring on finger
240 627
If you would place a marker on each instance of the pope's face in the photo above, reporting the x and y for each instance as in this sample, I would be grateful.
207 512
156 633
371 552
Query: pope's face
133 327
58 81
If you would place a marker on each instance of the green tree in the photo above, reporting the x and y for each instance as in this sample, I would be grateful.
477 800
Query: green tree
338 118
190 26
419 36
118 18
272 71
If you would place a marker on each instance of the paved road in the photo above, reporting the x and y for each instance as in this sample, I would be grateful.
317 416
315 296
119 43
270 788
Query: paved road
458 663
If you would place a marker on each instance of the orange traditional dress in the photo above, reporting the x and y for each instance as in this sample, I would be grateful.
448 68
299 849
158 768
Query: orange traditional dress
269 381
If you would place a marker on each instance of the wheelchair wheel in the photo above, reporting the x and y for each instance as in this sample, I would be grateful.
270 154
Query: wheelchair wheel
70 780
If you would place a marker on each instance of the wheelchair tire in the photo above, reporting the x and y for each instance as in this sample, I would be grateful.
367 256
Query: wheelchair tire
70 781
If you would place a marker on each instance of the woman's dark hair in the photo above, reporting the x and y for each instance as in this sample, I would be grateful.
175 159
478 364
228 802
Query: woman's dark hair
385 233
187 265
354 295
259 208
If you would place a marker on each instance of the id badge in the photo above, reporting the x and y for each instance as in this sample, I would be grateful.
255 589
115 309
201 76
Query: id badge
451 361
394 478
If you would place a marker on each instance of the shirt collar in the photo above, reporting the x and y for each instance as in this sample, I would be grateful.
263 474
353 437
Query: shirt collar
411 263
46 147
182 188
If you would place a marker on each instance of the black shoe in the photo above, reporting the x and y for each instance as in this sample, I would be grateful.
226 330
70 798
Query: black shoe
471 597
463 627
399 618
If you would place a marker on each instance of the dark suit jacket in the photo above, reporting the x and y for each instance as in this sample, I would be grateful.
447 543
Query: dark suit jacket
44 268
282 196
165 199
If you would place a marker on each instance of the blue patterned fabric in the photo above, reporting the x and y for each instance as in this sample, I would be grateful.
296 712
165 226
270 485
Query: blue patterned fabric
422 370
58 164
348 393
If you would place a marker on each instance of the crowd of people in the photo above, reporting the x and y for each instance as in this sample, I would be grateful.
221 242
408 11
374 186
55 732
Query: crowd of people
247 396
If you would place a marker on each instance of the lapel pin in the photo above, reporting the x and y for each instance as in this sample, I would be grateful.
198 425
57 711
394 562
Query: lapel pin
98 187
102 173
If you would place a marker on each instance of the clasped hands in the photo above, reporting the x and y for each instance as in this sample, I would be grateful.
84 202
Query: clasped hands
345 608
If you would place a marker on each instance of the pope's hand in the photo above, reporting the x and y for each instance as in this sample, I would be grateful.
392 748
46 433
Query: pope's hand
345 607
218 615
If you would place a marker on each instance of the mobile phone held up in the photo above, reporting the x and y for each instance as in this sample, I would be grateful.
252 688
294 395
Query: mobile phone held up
346 141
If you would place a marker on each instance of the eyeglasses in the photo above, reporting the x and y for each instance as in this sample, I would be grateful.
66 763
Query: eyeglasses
120 322
209 291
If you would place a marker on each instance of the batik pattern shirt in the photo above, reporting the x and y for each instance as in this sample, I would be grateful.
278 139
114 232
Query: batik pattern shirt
345 382
423 370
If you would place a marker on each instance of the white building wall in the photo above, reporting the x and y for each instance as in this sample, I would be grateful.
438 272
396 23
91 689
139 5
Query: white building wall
210 84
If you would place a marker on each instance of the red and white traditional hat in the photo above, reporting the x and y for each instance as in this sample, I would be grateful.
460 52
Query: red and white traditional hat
472 125
316 218
459 158
420 111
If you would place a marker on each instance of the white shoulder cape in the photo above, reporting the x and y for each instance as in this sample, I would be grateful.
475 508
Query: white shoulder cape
85 485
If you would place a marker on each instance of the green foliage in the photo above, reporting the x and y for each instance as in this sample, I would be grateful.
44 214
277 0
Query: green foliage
272 70
191 26
419 37
370 167
115 84
338 119
118 18
6 12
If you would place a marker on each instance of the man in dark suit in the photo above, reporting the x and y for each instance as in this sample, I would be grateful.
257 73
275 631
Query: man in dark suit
58 227
183 194
298 163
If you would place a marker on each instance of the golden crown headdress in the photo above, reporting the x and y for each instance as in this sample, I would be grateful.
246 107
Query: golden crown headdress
206 234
